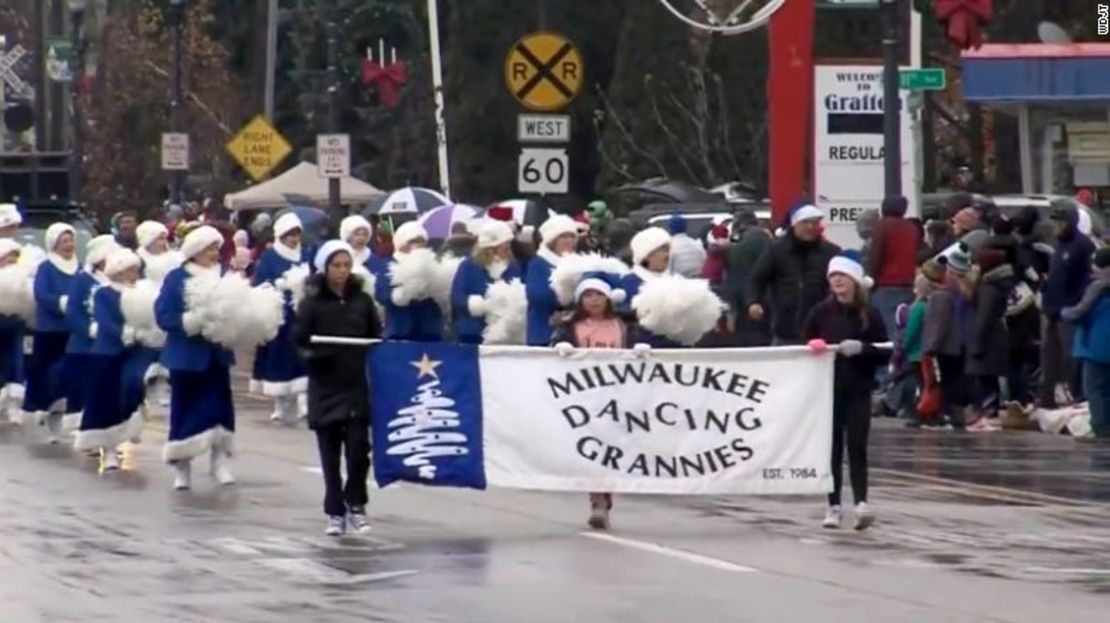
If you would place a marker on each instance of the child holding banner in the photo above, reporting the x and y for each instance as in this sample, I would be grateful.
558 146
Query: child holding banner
846 319
595 324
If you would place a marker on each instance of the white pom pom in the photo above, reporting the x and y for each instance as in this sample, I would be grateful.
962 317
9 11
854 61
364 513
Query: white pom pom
137 305
17 296
294 280
234 314
413 275
442 280
507 313
677 308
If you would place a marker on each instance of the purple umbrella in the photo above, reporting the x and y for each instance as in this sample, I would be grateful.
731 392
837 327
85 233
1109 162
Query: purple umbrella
439 221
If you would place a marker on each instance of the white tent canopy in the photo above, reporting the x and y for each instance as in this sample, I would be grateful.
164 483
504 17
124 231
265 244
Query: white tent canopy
301 183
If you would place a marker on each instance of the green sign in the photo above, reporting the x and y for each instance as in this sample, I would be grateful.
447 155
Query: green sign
59 60
932 79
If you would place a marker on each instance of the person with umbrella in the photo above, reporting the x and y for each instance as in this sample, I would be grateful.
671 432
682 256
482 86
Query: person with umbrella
492 260
558 236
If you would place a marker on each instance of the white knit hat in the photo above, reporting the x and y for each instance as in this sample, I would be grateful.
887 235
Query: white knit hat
351 224
806 213
119 260
149 231
54 232
647 242
494 234
9 215
407 233
99 249
200 239
558 225
847 264
287 223
330 248
8 246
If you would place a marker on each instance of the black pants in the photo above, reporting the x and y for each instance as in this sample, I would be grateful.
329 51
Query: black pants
851 420
354 438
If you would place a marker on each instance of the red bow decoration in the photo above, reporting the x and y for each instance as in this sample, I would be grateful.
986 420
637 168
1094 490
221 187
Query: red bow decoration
389 80
964 21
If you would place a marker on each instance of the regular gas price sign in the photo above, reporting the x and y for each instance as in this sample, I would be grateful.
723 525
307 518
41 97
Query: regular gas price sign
849 147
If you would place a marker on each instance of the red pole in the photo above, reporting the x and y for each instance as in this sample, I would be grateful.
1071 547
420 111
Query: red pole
790 103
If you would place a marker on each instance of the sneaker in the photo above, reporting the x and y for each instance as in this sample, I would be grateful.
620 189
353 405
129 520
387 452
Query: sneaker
337 525
358 522
109 460
182 476
599 518
864 517
981 425
832 518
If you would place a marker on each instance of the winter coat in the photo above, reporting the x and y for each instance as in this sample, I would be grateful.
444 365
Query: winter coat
893 253
113 335
793 274
714 269
82 329
989 350
1069 271
337 387
687 256
948 323
51 286
914 333
542 301
419 321
1092 319
184 352
468 292
835 322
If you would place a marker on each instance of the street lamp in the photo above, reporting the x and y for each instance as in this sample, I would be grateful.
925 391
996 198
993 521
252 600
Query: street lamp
892 122
177 22
77 155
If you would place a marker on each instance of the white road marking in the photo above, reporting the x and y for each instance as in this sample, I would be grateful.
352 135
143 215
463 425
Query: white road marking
1066 571
654 548
314 571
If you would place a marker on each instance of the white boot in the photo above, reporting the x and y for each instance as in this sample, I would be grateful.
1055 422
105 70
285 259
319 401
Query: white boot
280 414
302 406
109 460
182 475
220 471
53 428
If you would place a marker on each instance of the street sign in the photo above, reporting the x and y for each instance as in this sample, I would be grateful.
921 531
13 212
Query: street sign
544 71
258 148
333 152
930 79
7 70
543 128
175 151
543 171
59 60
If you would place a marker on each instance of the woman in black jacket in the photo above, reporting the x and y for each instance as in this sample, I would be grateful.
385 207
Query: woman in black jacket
845 319
988 356
335 304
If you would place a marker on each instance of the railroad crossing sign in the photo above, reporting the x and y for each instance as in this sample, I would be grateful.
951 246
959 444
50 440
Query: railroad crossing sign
258 148
544 71
7 70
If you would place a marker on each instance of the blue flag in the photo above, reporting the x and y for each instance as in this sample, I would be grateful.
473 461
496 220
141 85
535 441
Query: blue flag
427 405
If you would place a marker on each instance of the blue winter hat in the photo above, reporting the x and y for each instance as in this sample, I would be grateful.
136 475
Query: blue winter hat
605 283
677 224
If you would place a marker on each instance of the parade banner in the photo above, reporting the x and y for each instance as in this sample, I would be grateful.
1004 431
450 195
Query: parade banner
728 421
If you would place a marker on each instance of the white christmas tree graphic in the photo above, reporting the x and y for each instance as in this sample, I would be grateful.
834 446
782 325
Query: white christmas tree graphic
427 429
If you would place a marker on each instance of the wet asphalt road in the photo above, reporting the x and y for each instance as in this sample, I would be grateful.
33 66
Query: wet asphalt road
1003 527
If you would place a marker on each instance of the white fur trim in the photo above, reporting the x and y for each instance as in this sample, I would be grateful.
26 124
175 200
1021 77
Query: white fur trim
443 277
285 224
110 437
566 275
200 239
507 313
199 444
13 391
476 305
98 249
351 224
647 242
293 282
69 267
149 231
156 267
71 421
681 309
278 389
848 266
120 260
558 225
292 254
407 233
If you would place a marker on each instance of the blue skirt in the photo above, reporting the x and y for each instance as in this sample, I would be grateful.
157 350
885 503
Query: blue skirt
47 378
114 395
202 414
277 367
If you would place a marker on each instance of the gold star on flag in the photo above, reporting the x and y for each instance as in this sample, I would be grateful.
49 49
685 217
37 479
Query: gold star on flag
427 366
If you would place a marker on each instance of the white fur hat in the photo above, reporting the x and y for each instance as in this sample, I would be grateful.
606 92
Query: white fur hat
848 264
330 248
54 232
605 283
149 231
647 242
9 215
119 260
287 223
806 213
493 234
351 224
407 233
558 225
200 239
8 246
99 249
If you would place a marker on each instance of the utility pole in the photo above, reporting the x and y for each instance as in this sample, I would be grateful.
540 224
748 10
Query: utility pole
177 22
40 77
334 201
892 131
271 57
437 89
77 155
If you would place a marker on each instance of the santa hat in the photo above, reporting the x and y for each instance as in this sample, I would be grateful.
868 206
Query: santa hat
149 231
605 283
351 224
558 225
500 213
9 215
805 212
99 249
494 234
55 232
647 242
287 223
408 233
119 260
327 251
200 239
849 263
8 246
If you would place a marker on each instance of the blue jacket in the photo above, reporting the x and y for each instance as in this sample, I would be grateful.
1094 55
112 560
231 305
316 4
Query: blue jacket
542 301
51 284
1068 274
183 352
419 321
109 322
472 279
271 266
1092 319
78 315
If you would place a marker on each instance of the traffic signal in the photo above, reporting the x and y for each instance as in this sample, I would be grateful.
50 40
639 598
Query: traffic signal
964 21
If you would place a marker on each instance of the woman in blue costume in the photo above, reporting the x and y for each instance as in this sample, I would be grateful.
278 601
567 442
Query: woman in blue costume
278 372
357 232
46 373
202 414
558 238
158 260
116 366
82 328
492 261
405 285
